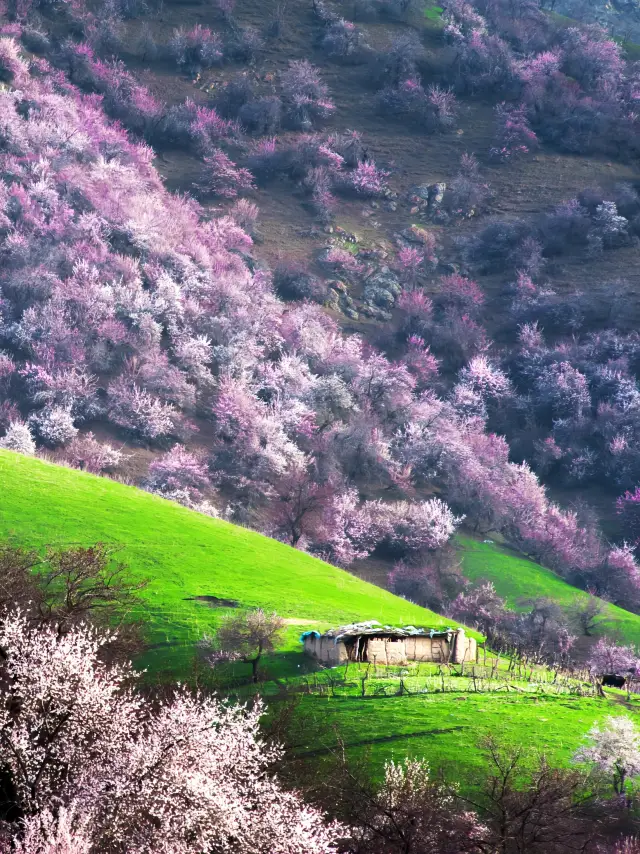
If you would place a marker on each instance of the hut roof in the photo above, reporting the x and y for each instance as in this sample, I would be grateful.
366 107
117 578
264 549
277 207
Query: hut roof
373 627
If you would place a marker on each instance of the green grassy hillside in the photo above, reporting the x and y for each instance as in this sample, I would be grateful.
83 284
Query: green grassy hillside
184 555
516 578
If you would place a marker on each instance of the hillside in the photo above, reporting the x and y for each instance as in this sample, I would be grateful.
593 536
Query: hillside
517 580
186 555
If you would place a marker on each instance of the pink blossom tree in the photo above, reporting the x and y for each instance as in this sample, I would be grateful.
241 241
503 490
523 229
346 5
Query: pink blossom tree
221 177
407 528
607 657
87 453
178 471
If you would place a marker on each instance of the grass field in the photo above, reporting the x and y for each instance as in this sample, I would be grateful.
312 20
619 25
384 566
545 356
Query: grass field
185 554
447 728
516 579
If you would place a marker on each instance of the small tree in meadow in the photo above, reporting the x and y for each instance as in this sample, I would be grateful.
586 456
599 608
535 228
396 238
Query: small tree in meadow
18 438
614 750
244 637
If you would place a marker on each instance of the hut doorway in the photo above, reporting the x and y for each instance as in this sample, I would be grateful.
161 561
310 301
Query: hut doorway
356 648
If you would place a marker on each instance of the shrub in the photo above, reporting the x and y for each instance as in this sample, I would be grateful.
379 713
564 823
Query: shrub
178 470
458 292
306 97
244 44
195 49
293 282
221 177
366 180
349 146
245 213
188 124
140 412
263 116
432 110
433 583
345 42
514 135
408 529
468 193
18 438
11 65
340 261
54 425
399 63
237 92
591 58
87 453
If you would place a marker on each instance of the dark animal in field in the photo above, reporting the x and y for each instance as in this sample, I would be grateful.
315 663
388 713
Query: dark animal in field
613 681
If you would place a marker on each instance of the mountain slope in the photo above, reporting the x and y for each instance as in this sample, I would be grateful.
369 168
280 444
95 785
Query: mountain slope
517 579
186 555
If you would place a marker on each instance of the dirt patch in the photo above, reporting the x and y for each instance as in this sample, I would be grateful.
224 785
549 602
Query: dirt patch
214 601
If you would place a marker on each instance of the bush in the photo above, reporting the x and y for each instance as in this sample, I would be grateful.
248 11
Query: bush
514 135
263 116
244 44
54 425
195 49
345 42
493 249
221 177
349 146
11 65
306 97
293 282
178 470
18 438
467 195
87 453
366 180
432 110
232 97
401 62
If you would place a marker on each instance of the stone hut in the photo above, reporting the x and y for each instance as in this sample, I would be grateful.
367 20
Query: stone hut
374 642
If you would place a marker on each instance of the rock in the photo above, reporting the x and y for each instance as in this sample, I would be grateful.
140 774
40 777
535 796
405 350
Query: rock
381 289
385 278
414 210
375 312
393 206
337 285
421 192
328 229
436 194
415 234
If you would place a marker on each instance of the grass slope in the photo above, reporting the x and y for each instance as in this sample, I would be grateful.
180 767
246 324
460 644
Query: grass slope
516 578
185 554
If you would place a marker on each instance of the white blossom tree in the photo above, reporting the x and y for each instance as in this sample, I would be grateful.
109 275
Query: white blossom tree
94 768
614 750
